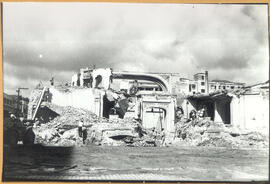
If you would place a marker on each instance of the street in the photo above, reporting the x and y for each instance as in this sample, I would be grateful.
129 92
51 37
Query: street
134 163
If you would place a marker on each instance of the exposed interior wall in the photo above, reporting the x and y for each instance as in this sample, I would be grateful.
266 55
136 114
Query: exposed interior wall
222 112
88 98
250 112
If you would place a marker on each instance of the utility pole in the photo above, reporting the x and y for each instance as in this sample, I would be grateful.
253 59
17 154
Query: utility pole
18 100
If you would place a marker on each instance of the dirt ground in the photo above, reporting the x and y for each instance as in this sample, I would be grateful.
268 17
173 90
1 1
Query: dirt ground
134 163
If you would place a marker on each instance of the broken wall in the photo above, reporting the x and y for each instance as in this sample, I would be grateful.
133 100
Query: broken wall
251 112
74 80
105 77
87 98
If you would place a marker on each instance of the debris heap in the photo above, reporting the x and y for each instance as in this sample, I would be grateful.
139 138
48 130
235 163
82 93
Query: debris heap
204 132
61 128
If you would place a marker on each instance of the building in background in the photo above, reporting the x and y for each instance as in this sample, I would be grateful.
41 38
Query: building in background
15 106
201 85
9 104
215 85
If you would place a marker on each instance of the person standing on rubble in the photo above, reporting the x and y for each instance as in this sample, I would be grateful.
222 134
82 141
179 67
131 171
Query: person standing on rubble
122 106
154 134
90 81
192 115
52 81
179 113
80 127
163 137
202 112
84 134
134 88
93 136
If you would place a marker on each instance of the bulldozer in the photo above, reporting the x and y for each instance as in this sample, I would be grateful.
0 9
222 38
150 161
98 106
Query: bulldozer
16 130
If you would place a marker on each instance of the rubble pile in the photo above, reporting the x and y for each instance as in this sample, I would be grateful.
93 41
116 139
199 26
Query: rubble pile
205 132
62 130
69 116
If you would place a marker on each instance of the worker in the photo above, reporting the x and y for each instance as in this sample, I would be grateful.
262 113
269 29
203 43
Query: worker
202 112
154 135
163 137
52 81
21 122
121 106
134 88
93 136
12 116
91 81
84 134
192 115
179 113
80 126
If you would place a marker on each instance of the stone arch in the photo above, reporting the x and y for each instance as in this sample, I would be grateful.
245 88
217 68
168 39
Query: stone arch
143 76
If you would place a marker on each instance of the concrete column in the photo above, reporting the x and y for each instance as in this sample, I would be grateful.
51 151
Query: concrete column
170 117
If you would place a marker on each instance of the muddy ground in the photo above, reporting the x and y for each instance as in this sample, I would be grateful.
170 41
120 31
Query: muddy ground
134 163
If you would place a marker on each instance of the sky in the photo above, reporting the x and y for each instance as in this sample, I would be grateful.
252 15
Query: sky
41 40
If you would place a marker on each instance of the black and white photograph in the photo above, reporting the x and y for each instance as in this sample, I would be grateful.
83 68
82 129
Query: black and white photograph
143 92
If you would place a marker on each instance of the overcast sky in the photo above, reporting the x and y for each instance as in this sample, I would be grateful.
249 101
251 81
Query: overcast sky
41 40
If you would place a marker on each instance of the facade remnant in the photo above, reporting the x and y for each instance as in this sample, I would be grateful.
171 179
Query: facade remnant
158 111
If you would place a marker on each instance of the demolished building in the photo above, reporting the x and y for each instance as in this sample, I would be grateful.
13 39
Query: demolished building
92 90
111 94
246 109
